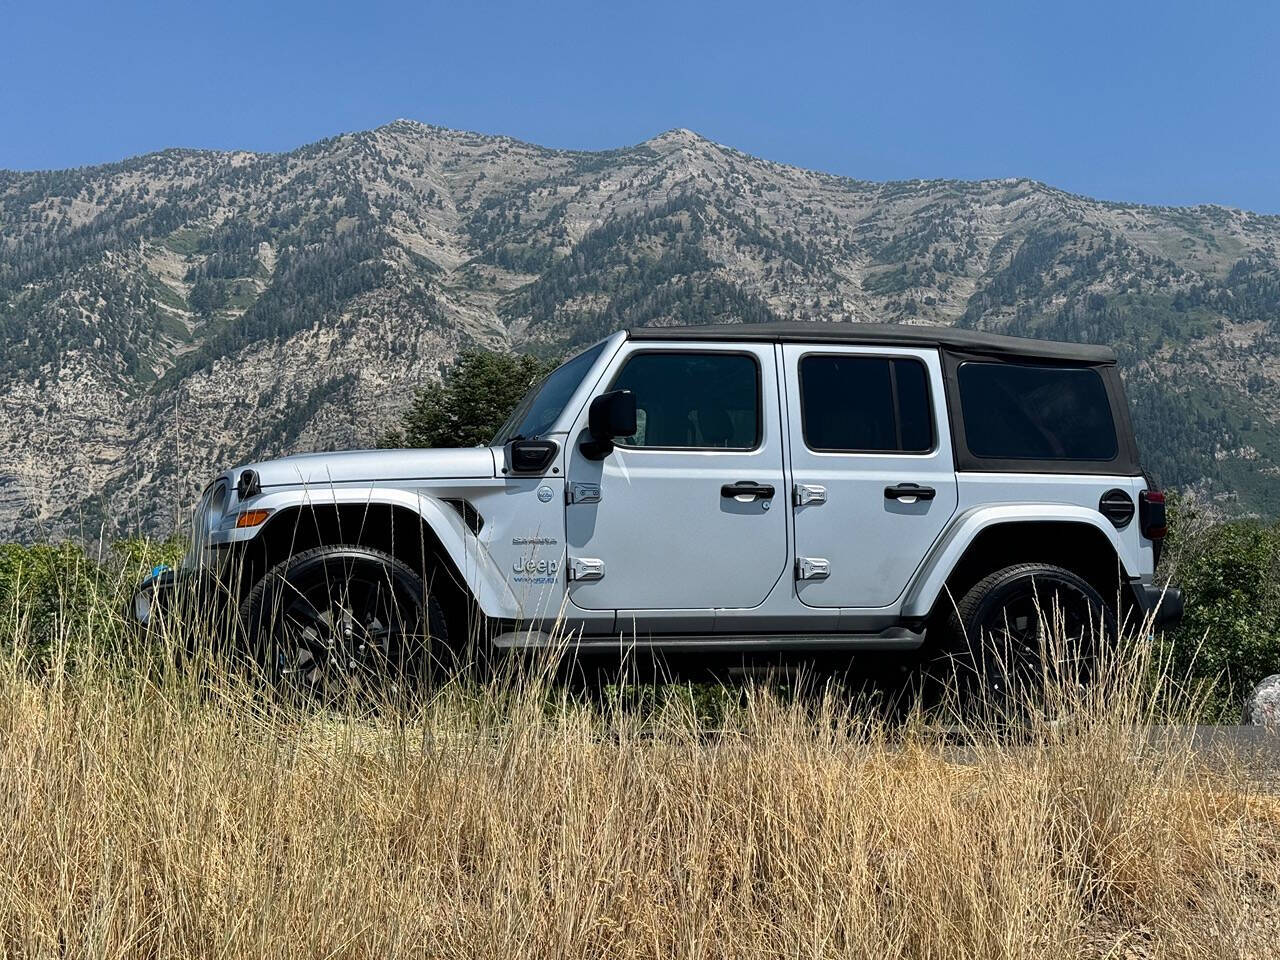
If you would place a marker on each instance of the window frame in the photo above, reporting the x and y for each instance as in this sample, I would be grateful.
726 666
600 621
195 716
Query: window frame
1102 388
510 425
934 437
1125 463
691 351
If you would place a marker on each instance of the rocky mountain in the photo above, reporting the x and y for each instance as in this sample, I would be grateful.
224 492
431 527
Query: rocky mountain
168 315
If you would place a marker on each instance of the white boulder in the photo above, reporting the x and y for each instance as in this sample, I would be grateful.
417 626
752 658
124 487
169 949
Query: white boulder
1263 705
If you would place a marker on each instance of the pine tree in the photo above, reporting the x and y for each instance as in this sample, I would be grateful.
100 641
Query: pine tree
469 405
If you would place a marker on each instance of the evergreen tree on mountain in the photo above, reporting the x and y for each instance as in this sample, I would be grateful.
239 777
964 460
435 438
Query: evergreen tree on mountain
470 403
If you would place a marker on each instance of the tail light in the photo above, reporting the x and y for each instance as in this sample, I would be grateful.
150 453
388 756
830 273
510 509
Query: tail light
1151 514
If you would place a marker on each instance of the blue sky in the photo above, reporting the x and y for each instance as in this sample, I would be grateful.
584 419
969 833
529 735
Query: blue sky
1158 103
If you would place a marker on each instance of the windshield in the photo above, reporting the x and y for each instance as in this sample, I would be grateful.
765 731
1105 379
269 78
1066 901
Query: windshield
542 405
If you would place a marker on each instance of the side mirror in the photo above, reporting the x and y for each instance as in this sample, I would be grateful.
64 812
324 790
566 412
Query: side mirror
530 456
610 416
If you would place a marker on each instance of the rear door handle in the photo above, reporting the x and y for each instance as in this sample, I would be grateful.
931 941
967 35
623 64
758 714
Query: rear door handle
911 492
748 488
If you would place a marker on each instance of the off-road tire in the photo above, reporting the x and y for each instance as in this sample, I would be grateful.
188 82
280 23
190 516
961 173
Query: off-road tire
995 636
397 630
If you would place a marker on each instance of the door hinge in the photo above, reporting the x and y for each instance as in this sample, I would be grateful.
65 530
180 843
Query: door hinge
803 493
582 493
812 568
585 568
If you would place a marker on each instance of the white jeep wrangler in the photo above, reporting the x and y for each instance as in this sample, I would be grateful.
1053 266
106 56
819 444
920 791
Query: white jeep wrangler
740 488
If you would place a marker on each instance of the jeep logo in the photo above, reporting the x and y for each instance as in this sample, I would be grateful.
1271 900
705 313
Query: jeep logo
530 565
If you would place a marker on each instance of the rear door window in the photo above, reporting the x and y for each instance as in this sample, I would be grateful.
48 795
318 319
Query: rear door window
1023 412
861 404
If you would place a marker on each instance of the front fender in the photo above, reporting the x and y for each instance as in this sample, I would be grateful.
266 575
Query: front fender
965 528
490 589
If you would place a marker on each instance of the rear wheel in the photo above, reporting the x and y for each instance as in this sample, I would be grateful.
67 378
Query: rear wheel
341 620
1022 628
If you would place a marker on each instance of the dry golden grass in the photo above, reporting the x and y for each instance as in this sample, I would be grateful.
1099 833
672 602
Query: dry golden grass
150 815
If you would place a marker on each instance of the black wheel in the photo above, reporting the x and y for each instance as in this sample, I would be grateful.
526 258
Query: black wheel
1022 627
341 620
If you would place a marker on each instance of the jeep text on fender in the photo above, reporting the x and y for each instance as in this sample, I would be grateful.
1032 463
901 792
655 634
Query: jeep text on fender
767 487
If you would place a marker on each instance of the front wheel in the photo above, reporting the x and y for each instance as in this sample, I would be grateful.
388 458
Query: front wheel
1022 630
341 620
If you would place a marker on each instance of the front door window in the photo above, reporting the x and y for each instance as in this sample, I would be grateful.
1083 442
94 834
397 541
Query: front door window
692 401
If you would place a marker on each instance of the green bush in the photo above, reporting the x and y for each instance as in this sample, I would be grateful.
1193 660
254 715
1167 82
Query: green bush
52 593
1230 573
37 582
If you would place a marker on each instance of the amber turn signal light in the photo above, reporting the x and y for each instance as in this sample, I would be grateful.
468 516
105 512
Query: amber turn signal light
251 518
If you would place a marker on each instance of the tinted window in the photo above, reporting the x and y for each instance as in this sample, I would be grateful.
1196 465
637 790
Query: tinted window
538 411
865 404
1017 412
708 400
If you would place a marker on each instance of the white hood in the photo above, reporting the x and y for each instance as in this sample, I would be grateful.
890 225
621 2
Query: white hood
362 466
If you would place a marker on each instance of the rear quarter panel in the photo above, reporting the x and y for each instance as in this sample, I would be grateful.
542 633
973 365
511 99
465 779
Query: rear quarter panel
986 499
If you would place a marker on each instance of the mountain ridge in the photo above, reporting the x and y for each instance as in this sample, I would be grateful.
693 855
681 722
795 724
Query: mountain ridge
184 309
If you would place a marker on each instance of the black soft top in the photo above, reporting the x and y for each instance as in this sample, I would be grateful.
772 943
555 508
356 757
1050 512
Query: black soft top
885 334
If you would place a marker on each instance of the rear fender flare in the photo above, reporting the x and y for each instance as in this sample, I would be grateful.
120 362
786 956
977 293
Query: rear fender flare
932 577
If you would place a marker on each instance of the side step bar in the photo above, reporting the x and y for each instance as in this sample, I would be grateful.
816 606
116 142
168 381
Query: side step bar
891 638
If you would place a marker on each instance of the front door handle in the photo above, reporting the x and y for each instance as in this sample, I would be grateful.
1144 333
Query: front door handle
747 488
910 492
